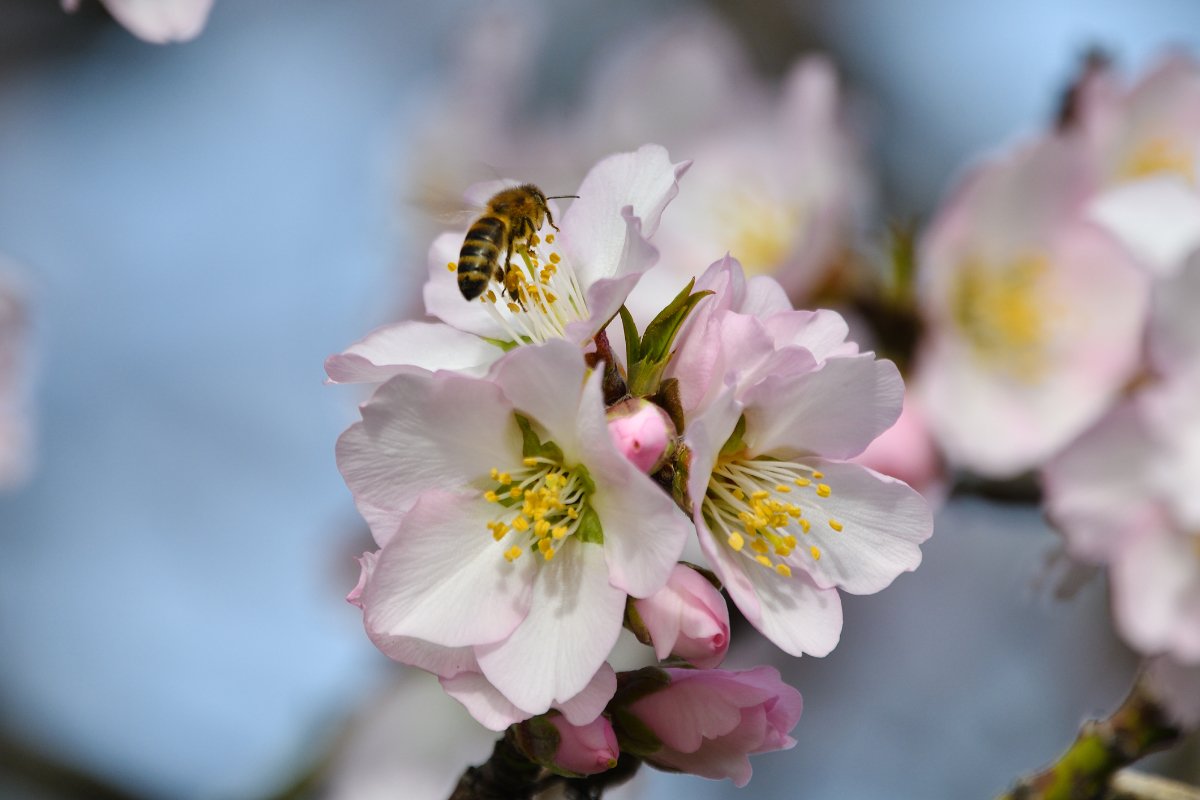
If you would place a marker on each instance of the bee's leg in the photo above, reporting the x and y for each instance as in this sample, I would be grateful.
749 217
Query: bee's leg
511 277
550 218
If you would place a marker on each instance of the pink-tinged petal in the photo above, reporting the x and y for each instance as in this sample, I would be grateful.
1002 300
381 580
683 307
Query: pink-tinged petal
604 300
487 705
546 383
1177 686
1156 592
572 625
595 230
445 662
157 21
687 618
705 436
1157 218
443 578
823 333
1096 489
834 411
906 452
585 749
589 704
794 613
764 298
366 564
1174 323
726 758
389 350
422 431
882 525
641 431
444 300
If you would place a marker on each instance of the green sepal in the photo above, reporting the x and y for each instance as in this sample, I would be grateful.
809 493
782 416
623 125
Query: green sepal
585 479
538 740
503 344
634 623
589 529
633 344
680 474
654 349
735 443
633 735
667 398
534 447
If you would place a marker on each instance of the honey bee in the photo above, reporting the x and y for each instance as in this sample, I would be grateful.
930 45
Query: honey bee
513 217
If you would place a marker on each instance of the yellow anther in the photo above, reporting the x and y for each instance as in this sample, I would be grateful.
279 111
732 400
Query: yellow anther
805 525
554 257
535 240
495 473
736 541
504 478
515 492
551 297
837 526
549 238
491 295
766 562
790 541
491 496
548 554
452 267
823 490
512 554
521 524
530 461
784 570
818 474
513 307
783 488
802 481
499 532
541 529
559 532
572 513
544 545
783 551
759 546
816 552
739 494
761 494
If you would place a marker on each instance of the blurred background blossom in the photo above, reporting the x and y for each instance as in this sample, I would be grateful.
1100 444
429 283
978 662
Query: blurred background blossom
199 225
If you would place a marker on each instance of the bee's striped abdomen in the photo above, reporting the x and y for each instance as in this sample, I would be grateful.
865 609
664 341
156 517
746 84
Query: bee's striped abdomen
482 250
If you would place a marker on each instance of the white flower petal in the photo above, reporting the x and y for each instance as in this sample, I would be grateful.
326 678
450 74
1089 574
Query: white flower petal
389 350
443 578
546 383
438 659
422 431
1156 592
1174 323
588 704
487 705
1157 218
572 625
161 21
594 231
835 411
883 522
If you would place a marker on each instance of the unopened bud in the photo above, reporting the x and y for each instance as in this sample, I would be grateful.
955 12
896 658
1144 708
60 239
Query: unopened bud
642 432
585 749
687 618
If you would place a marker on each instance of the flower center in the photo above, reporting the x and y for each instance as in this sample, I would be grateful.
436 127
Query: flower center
541 504
1156 155
758 506
1003 313
547 295
760 233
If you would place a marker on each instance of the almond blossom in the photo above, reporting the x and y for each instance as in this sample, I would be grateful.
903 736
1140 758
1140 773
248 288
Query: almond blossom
783 518
510 528
572 281
1034 314
687 618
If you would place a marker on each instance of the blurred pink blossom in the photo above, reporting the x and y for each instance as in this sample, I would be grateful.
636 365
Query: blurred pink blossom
157 21
687 618
585 749
1034 314
711 721
907 451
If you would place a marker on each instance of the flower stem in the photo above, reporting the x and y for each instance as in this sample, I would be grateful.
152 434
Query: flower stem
1139 727
613 384
509 774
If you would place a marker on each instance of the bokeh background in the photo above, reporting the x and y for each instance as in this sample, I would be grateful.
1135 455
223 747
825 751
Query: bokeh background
197 226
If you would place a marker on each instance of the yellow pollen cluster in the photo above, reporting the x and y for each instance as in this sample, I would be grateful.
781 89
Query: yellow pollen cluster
541 295
1158 155
749 504
541 505
1004 314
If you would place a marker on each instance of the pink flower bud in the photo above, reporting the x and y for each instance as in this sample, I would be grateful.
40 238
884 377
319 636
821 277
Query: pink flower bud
687 618
710 721
641 431
585 749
